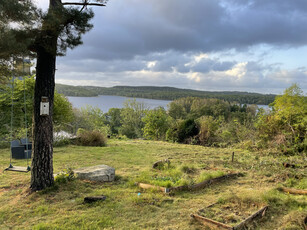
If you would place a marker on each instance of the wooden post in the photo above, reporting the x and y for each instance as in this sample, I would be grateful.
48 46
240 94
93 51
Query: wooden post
233 156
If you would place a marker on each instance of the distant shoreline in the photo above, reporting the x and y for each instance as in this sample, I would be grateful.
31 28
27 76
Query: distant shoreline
164 93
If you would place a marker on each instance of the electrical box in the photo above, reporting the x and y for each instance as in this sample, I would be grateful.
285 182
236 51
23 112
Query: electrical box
44 106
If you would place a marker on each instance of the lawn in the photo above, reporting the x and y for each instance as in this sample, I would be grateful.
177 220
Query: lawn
130 207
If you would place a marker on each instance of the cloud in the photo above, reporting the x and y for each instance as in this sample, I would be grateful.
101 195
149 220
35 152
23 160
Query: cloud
128 28
200 44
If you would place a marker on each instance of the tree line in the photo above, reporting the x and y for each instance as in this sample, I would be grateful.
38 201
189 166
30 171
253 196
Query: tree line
165 93
190 120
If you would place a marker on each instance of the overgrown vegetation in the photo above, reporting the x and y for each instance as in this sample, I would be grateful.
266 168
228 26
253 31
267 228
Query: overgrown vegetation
173 176
91 138
191 120
62 206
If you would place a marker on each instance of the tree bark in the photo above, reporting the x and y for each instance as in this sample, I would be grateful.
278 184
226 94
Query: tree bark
42 162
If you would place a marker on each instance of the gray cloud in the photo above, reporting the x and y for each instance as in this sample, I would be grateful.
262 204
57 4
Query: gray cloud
133 27
137 42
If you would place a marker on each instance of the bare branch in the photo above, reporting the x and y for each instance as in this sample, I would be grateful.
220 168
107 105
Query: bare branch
82 4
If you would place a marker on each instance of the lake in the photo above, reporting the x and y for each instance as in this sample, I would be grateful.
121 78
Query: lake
104 102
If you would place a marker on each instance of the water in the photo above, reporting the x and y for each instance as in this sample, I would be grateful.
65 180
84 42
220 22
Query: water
104 102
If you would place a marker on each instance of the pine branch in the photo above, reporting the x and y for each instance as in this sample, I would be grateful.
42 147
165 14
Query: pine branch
82 4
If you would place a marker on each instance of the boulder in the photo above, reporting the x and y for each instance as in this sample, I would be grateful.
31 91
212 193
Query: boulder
99 173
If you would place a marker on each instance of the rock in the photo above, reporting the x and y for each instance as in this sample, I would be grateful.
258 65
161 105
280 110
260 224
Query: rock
99 173
91 199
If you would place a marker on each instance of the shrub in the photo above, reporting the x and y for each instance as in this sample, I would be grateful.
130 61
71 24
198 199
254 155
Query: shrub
172 133
65 176
156 124
92 138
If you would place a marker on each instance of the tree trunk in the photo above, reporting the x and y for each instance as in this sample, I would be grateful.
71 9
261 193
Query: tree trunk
42 163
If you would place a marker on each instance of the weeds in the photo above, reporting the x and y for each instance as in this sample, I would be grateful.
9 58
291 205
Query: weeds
61 206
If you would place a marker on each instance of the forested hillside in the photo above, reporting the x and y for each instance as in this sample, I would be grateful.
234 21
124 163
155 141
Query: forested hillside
165 93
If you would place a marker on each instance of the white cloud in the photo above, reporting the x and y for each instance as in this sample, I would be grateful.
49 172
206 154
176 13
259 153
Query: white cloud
238 71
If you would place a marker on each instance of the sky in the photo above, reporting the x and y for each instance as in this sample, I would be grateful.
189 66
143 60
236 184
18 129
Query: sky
211 45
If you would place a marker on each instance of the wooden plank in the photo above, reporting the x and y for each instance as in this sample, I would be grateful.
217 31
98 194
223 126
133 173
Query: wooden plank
18 169
249 219
149 186
211 223
293 191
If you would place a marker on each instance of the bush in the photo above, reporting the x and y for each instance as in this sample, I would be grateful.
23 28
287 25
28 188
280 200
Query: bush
172 132
65 176
92 138
187 130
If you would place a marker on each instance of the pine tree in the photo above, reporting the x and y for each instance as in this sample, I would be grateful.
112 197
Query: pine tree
27 31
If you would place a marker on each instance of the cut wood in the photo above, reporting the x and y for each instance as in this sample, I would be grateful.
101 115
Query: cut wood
149 186
293 191
91 199
211 223
248 220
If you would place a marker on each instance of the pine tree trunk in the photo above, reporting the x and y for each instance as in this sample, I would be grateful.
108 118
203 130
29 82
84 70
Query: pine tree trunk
42 162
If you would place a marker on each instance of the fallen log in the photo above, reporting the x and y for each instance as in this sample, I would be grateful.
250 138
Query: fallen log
293 191
91 199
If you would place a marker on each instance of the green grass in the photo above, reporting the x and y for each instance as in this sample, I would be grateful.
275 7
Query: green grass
129 207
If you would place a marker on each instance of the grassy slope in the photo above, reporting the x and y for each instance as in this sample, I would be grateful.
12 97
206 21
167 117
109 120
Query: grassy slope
63 208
